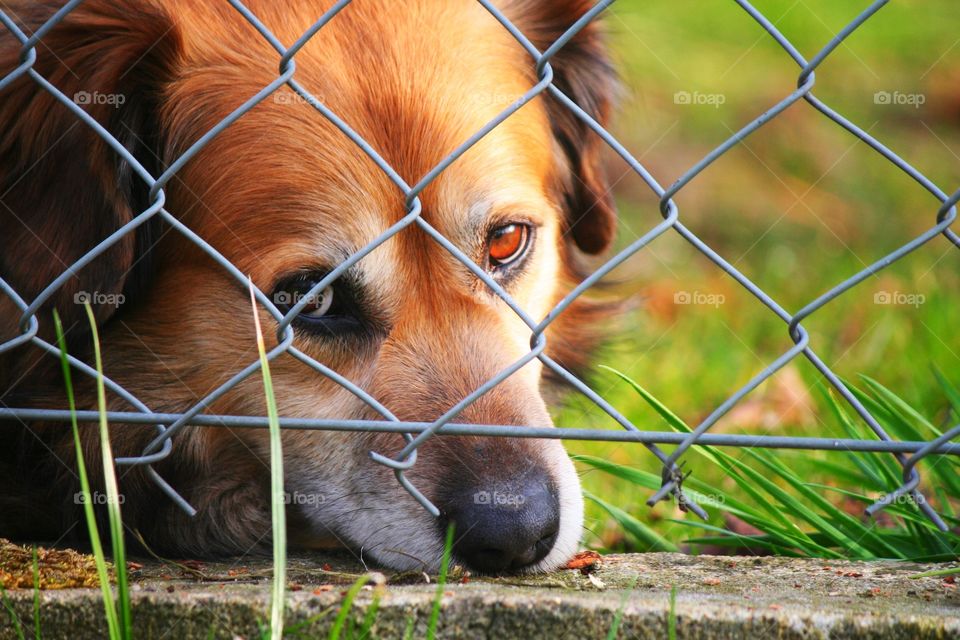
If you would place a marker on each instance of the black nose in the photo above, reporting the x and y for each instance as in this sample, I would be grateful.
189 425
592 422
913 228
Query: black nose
505 527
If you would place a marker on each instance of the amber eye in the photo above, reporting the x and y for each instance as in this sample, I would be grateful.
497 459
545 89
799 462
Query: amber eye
507 243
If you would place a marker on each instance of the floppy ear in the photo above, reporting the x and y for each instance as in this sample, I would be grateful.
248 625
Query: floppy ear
584 73
62 189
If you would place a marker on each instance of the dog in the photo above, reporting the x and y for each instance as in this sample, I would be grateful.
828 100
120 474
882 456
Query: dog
286 197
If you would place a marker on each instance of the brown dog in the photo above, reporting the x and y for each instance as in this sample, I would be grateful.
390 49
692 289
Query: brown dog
286 197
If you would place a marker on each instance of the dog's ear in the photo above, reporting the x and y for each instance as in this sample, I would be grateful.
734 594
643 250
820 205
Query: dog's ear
582 71
62 189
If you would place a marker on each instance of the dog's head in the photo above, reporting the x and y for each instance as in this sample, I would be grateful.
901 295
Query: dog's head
286 197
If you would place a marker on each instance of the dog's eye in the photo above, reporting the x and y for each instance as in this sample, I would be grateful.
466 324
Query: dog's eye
331 310
290 294
507 244
319 303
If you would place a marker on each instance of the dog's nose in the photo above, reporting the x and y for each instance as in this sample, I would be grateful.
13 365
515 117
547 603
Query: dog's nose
506 527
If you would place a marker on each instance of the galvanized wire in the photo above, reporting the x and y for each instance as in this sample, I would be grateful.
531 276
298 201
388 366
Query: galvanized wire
168 425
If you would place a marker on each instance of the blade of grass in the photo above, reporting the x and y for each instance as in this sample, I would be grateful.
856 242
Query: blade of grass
370 619
881 473
953 571
441 583
672 619
618 616
672 419
900 406
337 629
650 539
297 630
408 631
946 507
36 595
15 619
109 605
113 491
277 502
952 393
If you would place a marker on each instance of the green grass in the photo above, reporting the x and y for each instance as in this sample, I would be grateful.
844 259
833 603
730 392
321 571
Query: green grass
441 583
12 614
936 574
793 513
36 595
618 616
277 502
119 622
339 624
672 616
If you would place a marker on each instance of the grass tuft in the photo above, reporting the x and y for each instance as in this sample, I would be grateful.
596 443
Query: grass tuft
791 512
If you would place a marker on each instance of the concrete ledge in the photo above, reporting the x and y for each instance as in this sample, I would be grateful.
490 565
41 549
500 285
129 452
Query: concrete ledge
718 597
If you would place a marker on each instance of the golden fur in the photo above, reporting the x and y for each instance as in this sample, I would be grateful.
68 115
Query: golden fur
279 191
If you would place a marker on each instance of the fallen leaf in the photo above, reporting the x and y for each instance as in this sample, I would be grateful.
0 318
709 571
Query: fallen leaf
583 559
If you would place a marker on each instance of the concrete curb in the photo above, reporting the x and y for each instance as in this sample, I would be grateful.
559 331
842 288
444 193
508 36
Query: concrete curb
718 597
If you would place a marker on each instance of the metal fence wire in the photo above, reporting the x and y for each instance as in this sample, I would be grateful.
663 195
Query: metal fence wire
168 425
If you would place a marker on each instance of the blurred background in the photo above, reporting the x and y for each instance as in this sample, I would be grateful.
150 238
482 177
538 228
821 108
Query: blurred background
798 207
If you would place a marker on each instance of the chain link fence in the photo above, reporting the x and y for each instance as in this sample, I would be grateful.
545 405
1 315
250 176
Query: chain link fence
942 213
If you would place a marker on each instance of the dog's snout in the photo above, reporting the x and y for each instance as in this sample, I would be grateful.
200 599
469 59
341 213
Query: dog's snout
504 528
